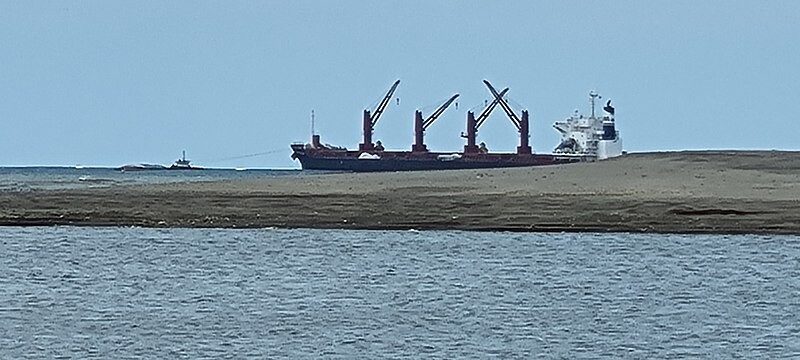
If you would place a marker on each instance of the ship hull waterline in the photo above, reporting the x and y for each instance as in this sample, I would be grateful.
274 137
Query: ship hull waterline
343 160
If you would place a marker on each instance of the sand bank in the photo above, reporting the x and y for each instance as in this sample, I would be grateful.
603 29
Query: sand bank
697 192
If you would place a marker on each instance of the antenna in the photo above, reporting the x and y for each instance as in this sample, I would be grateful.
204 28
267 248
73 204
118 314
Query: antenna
312 122
594 95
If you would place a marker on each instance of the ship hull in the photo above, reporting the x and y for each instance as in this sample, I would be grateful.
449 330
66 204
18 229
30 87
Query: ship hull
343 160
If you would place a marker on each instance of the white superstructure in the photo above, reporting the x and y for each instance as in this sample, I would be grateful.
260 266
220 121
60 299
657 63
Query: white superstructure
592 135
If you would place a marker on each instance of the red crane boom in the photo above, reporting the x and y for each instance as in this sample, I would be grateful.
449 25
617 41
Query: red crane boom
421 124
370 119
521 124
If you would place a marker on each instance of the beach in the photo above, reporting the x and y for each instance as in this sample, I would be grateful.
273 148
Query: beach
668 192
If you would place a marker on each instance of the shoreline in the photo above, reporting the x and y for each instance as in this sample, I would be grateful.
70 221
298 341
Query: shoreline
713 192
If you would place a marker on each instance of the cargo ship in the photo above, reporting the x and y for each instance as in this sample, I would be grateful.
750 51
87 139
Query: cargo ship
583 138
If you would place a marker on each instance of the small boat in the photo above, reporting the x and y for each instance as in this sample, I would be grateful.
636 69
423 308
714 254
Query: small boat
183 164
180 164
140 167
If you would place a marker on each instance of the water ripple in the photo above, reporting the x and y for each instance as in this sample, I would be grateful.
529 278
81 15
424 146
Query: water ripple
205 293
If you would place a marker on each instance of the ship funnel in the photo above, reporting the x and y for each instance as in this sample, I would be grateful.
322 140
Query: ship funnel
609 130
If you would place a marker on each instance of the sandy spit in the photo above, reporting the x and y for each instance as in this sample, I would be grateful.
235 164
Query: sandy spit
669 192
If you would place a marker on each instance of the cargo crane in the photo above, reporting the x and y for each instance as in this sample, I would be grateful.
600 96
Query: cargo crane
371 118
473 124
420 124
521 124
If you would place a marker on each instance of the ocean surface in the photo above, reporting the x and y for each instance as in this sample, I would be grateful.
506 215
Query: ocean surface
50 178
69 292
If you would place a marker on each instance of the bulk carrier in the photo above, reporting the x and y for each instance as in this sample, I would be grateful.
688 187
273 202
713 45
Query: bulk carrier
583 138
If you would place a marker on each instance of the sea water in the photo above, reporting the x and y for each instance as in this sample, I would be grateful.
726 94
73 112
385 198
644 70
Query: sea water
70 292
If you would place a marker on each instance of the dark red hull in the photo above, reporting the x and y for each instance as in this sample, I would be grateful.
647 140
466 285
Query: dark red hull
344 160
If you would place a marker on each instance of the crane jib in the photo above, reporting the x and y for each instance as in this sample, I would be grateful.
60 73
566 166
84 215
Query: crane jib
385 101
488 110
503 104
438 112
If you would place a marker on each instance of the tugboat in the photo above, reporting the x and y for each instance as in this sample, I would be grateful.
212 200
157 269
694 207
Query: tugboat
180 164
183 163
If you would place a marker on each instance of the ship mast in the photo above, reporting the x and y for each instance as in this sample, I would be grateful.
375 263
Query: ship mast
315 143
594 95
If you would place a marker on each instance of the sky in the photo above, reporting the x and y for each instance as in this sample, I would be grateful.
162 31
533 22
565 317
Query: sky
234 83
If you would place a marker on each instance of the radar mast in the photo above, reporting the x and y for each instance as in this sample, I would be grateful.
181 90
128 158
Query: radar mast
594 95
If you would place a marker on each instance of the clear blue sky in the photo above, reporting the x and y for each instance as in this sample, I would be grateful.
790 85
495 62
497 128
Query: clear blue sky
114 82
